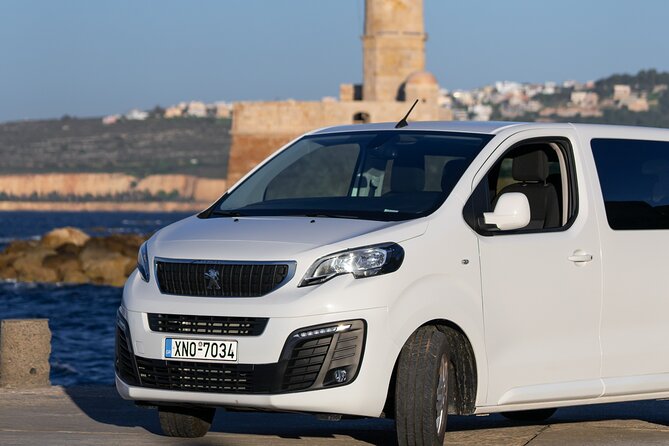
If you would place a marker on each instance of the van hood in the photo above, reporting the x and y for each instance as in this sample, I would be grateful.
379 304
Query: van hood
273 238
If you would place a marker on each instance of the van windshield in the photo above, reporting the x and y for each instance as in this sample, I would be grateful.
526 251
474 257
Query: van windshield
380 175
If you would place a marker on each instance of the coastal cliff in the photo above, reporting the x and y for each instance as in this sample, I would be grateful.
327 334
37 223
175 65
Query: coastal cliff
82 164
108 192
115 186
105 206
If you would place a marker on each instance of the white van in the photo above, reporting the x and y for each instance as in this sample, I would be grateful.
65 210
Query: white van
411 273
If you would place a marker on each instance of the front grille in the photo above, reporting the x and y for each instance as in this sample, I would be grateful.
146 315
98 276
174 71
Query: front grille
211 325
200 376
298 374
124 359
305 362
220 279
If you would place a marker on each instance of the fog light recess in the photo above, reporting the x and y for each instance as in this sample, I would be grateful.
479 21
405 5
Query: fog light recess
325 355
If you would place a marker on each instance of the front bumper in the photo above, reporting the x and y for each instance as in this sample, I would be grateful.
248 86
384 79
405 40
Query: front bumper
275 371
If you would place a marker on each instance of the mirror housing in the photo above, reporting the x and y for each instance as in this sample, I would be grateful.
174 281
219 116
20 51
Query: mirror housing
512 211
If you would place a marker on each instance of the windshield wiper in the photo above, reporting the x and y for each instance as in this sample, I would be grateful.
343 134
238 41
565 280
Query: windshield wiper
228 214
329 215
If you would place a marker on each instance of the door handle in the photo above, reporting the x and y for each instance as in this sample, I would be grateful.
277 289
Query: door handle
580 256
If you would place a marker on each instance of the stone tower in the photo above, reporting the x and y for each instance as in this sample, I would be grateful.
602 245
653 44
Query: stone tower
393 47
394 76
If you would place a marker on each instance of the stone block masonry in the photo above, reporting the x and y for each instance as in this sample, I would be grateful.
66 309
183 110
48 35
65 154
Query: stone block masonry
25 346
261 128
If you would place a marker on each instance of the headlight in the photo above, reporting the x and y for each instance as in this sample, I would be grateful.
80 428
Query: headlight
361 262
143 262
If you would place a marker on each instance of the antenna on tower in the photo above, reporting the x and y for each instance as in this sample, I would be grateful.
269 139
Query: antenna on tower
403 122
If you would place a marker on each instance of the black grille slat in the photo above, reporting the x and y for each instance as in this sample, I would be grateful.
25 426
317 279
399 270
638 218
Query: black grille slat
259 281
249 287
306 360
175 279
199 377
274 274
214 325
201 287
225 280
188 282
182 279
124 361
173 282
206 324
235 279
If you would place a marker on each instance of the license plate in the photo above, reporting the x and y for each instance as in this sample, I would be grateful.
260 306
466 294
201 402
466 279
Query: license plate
210 350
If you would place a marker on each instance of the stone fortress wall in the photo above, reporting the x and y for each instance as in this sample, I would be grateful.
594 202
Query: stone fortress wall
283 121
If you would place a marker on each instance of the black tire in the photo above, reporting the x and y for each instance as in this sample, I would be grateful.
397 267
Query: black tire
532 416
423 364
185 422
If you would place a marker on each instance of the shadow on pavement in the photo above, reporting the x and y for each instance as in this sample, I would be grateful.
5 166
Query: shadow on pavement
654 412
285 425
103 405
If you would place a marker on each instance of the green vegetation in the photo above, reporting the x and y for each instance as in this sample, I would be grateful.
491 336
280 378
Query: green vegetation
134 196
155 146
644 80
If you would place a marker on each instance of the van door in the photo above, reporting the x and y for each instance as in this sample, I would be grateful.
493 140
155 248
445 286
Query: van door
541 284
634 180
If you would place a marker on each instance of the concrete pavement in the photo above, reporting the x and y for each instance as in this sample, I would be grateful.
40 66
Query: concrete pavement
97 416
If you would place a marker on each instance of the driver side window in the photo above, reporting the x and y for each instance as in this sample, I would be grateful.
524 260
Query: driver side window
541 170
306 177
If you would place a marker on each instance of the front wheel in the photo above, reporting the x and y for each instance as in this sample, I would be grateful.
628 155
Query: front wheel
421 392
185 422
532 416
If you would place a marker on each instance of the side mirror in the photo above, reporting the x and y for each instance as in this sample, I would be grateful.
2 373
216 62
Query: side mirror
512 211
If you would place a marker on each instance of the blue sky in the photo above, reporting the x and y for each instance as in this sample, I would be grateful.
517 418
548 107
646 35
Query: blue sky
90 58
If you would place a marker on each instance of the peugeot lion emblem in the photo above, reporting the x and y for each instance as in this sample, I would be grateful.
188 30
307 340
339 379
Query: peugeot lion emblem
212 278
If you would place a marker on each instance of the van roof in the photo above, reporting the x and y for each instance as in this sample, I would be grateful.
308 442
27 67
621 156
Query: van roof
484 127
487 127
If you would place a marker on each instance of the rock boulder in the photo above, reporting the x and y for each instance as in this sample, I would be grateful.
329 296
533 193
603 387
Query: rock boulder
69 255
61 236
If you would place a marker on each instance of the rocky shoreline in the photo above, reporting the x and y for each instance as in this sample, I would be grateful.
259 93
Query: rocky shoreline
69 255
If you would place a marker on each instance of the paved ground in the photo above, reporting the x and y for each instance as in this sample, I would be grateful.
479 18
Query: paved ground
97 416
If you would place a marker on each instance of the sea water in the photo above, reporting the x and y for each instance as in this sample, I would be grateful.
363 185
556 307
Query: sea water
81 317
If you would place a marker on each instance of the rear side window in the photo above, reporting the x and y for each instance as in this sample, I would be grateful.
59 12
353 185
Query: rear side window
634 177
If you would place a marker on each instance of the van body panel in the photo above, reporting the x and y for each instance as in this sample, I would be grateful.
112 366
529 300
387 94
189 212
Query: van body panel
574 402
305 230
634 329
541 310
445 284
572 390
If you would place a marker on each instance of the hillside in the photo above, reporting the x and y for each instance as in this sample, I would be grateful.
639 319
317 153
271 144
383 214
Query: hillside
198 147
651 84
641 99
